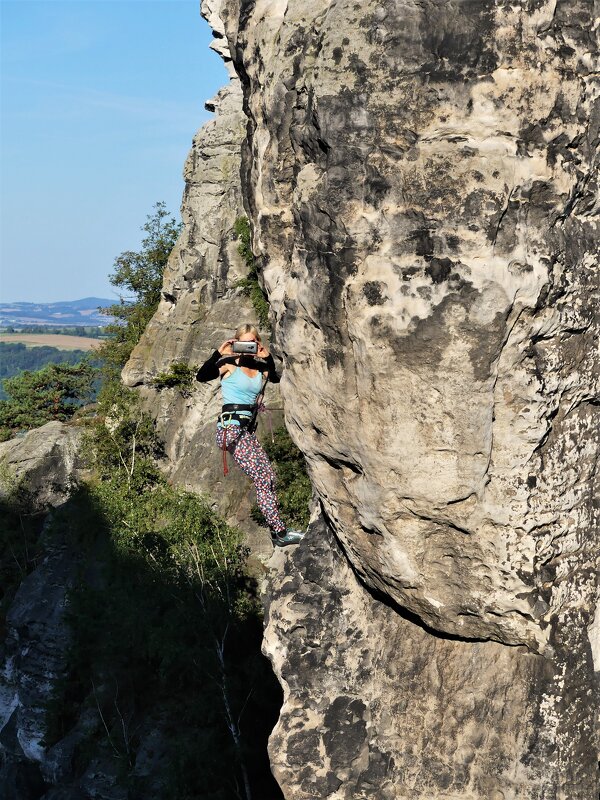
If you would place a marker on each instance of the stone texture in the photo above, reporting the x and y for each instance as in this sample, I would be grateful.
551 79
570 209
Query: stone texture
422 179
40 468
201 306
379 708
32 658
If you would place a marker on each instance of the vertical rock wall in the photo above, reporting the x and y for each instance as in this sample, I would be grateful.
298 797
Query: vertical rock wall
423 183
377 708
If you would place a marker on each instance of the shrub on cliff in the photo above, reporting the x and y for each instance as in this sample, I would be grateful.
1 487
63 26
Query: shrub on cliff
178 376
294 489
121 440
250 284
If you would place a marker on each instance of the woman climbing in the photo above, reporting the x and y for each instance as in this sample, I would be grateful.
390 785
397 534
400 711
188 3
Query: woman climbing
244 366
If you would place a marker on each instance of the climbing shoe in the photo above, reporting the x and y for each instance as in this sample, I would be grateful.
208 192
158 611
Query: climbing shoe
285 538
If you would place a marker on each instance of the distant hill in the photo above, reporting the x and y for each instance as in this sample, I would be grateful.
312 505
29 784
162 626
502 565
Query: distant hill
69 312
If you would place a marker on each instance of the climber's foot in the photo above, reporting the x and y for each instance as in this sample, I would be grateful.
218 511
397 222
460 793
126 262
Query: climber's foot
284 538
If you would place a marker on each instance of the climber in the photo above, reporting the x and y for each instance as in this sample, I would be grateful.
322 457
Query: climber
245 366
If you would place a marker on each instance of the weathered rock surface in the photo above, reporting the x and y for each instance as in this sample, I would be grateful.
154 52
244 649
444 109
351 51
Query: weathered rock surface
378 708
40 467
423 185
32 659
201 306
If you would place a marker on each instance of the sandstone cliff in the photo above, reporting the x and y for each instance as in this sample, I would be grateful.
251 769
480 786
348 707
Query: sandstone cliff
422 180
422 183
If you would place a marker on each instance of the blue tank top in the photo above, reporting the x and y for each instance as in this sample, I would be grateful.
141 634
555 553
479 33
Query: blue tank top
241 389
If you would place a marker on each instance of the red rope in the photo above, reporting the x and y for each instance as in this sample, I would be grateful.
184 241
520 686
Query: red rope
225 469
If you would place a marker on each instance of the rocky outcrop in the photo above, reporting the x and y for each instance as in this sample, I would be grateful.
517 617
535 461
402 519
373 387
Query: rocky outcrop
38 471
41 468
422 180
377 706
423 185
33 658
40 758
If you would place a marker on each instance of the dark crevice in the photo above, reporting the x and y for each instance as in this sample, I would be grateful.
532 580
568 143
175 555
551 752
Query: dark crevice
549 419
440 521
415 619
462 499
502 215
404 613
340 463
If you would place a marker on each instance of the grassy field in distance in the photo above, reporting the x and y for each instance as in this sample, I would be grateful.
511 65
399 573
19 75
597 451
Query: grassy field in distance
58 340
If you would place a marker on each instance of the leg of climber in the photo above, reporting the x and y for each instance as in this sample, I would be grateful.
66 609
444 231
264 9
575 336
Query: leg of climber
252 459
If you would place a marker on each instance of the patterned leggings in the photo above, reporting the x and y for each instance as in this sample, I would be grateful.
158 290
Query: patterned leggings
250 456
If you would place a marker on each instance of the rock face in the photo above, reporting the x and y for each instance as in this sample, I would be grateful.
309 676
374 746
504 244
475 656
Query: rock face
40 467
422 180
378 707
424 192
33 658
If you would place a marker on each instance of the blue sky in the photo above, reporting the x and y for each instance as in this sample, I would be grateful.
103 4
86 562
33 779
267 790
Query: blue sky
100 100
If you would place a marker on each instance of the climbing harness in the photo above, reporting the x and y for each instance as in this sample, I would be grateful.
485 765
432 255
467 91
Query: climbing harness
230 413
245 415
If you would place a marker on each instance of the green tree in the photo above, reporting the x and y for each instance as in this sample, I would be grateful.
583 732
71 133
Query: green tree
138 275
52 393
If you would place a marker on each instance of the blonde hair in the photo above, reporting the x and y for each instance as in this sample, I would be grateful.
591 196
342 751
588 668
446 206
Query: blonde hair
246 328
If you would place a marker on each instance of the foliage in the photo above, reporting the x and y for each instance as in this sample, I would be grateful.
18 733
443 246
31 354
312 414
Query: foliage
121 440
250 283
139 275
52 393
16 357
179 375
294 490
87 331
171 625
